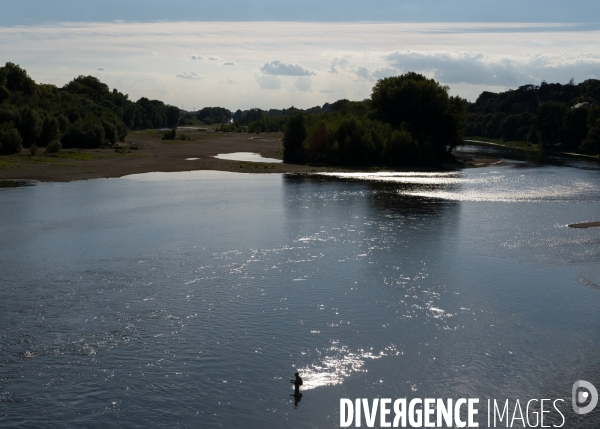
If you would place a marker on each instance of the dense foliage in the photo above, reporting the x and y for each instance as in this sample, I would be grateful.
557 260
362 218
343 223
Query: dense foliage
84 113
213 115
410 120
564 117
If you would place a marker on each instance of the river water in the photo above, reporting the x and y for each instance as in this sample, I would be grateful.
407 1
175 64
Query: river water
189 299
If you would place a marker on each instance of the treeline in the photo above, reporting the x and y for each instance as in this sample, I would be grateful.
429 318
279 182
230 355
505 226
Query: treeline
84 113
409 120
273 120
561 117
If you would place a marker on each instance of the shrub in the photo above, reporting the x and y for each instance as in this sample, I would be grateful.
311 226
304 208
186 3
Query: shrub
10 139
170 134
54 147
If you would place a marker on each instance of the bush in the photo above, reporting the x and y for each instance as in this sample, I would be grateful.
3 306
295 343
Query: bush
88 134
33 149
10 139
170 134
54 147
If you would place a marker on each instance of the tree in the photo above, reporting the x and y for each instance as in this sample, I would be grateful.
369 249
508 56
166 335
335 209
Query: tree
294 135
17 79
10 139
400 149
29 126
4 94
424 106
50 131
90 86
575 127
550 122
172 116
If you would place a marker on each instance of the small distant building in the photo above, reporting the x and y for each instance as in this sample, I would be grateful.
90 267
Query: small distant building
578 105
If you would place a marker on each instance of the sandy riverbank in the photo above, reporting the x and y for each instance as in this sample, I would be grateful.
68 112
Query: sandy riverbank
145 152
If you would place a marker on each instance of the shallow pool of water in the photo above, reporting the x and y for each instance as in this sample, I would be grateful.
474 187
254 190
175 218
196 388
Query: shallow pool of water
247 156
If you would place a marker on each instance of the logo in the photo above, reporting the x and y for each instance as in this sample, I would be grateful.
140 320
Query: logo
582 390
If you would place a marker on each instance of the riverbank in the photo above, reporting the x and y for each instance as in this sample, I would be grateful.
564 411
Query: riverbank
145 152
524 146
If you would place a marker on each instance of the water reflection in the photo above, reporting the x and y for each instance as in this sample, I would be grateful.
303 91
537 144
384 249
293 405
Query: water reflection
188 296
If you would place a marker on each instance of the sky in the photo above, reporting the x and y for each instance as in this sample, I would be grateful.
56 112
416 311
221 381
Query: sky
275 54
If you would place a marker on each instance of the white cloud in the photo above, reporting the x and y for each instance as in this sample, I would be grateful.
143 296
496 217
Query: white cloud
213 58
363 73
229 63
188 75
101 69
327 91
197 57
381 72
459 67
229 81
303 83
144 57
276 67
268 82
477 68
336 62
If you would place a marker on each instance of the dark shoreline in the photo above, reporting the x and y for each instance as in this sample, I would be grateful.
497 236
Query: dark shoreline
145 152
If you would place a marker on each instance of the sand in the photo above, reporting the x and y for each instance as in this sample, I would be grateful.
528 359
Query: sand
145 152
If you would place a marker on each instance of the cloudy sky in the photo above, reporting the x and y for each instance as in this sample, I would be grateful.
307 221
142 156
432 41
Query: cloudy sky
268 54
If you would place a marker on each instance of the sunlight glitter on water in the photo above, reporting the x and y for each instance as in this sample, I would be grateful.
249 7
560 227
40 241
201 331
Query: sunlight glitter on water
339 364
508 190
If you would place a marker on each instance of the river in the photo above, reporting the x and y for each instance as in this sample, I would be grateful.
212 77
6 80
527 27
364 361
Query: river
189 299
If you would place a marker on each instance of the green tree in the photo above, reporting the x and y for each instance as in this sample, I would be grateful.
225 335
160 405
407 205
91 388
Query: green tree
575 128
17 79
172 113
294 135
10 139
549 122
400 149
50 131
424 106
4 94
29 126
90 86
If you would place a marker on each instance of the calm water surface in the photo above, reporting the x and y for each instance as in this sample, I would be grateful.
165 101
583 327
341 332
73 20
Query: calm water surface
189 299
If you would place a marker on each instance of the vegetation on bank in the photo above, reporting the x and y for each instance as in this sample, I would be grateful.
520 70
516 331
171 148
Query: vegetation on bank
409 120
84 113
554 116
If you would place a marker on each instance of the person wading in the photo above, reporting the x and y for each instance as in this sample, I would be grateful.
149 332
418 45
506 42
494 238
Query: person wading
297 383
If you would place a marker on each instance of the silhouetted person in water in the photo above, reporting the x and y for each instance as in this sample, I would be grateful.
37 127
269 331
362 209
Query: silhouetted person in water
297 383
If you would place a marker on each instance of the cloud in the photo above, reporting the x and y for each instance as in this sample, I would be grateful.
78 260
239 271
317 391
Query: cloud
101 69
469 57
363 73
197 57
276 67
382 72
213 58
188 75
303 83
227 81
327 91
465 67
338 62
268 82
229 63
